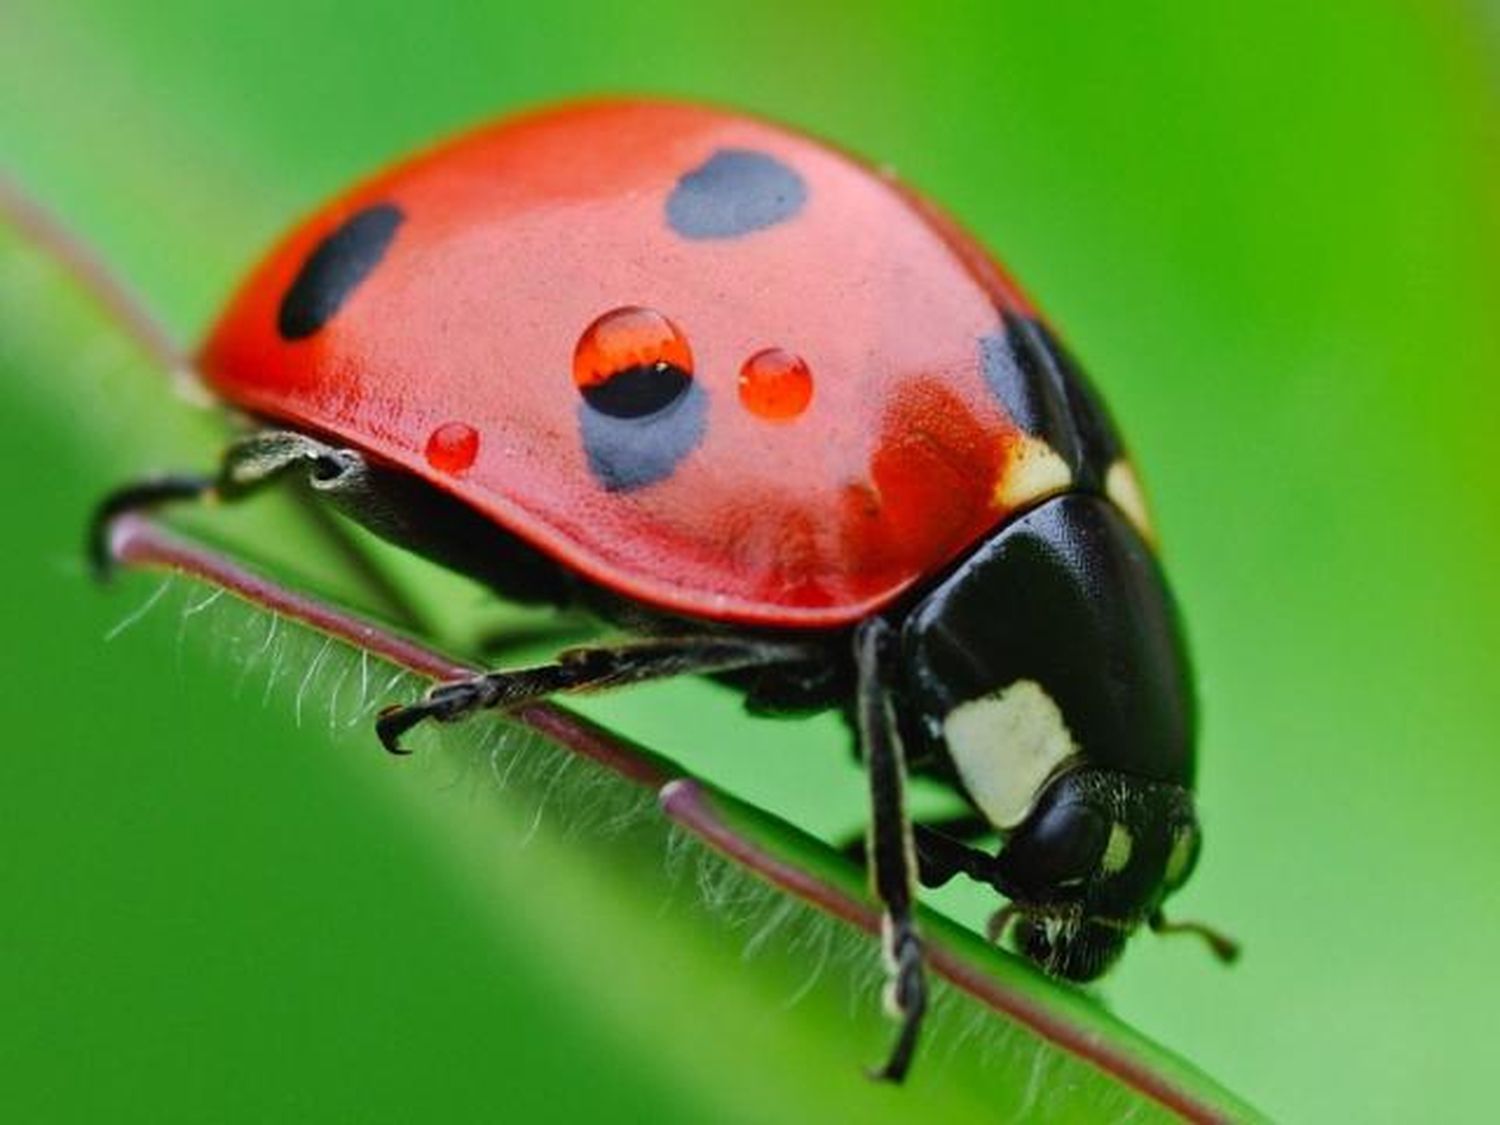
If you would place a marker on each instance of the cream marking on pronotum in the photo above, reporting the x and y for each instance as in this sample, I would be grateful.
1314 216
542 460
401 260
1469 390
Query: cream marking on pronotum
1006 746
1033 470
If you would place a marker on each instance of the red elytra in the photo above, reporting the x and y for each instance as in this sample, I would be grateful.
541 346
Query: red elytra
464 332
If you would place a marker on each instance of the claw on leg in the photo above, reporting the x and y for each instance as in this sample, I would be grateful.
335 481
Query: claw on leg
138 496
444 703
395 721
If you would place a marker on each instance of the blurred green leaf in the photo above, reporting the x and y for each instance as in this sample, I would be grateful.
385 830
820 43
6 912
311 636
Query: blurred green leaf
791 861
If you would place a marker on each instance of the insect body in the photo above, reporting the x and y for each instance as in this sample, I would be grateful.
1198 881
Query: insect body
781 418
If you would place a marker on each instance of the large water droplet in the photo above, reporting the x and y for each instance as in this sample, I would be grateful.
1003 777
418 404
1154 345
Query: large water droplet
632 362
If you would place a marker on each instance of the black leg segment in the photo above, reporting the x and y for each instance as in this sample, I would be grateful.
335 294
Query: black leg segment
589 669
248 464
940 857
892 855
944 848
137 496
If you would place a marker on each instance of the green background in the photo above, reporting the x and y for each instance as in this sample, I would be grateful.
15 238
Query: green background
1272 234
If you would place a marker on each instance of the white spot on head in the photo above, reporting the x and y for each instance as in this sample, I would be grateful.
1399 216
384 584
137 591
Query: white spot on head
1123 487
1116 850
1033 470
1181 857
1006 746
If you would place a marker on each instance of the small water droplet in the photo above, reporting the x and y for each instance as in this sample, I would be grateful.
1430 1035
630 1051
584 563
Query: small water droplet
775 384
452 447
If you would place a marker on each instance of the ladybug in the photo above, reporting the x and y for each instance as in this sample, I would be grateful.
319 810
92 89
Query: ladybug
782 420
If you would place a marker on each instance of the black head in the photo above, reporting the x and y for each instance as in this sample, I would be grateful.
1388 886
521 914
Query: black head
1048 676
1095 859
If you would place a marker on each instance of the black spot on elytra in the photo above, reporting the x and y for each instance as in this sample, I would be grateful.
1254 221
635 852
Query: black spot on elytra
1041 386
626 453
736 191
335 268
638 391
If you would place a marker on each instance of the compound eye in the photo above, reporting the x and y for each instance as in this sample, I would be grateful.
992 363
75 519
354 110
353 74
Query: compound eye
632 362
1063 847
1071 839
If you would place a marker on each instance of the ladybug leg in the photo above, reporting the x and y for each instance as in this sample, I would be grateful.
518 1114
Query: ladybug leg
248 464
893 866
940 857
137 496
258 459
589 669
930 837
